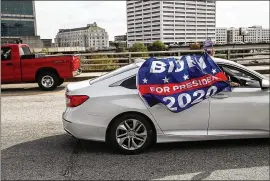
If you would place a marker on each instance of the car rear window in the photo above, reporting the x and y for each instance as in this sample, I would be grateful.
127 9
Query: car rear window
113 73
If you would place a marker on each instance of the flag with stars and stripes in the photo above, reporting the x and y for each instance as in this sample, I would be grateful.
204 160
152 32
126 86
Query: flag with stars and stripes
180 83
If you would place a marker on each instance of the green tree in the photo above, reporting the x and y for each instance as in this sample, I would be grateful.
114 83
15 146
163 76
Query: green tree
120 49
138 47
157 46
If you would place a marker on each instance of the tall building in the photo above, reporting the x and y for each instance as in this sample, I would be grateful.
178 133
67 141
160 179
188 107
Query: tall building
18 18
170 21
18 21
256 34
91 36
221 35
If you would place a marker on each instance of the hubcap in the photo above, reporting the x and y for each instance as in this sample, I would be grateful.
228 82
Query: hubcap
131 134
47 81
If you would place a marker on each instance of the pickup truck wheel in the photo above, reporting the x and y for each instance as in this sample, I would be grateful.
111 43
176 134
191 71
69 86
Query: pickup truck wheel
48 81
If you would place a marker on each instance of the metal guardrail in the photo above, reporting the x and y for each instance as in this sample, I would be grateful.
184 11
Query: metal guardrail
98 62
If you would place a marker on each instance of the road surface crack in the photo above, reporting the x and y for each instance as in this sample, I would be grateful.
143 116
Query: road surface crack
68 172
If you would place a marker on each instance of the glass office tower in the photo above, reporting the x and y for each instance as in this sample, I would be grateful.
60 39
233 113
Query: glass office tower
18 18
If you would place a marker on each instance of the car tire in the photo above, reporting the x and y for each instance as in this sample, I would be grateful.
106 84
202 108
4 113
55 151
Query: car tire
61 81
135 140
48 81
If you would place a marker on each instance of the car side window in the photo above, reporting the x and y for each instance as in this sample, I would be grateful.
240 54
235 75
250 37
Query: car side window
5 53
129 83
240 78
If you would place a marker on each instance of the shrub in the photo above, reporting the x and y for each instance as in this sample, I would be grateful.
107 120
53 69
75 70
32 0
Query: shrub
139 47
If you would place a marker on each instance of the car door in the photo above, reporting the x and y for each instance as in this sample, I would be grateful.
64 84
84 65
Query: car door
7 67
243 112
191 122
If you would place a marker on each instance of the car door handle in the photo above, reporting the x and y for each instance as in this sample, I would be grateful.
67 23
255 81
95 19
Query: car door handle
9 64
220 96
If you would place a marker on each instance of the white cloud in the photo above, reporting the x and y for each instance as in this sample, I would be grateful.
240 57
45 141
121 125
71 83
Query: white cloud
111 15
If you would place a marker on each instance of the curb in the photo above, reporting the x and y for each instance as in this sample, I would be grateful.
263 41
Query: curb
77 79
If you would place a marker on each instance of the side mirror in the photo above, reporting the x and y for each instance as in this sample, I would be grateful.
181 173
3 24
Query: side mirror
265 84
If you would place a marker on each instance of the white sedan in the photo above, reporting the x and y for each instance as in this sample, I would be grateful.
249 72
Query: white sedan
109 109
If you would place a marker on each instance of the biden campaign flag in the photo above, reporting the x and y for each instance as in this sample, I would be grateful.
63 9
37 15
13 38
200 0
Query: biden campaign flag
180 83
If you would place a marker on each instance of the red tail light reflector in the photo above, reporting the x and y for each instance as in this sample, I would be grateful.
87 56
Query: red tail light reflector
75 63
75 100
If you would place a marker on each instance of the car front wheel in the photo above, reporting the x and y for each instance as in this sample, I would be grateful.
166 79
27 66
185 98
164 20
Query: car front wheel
131 134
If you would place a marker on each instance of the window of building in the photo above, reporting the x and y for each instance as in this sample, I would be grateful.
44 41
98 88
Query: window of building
155 12
169 7
17 7
146 14
155 16
155 25
168 16
155 3
168 38
147 30
156 21
180 34
147 9
168 34
165 2
168 29
167 21
130 3
183 8
167 11
146 18
17 28
180 21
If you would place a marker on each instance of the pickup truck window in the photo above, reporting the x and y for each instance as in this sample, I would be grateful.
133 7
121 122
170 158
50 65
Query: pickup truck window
24 50
5 53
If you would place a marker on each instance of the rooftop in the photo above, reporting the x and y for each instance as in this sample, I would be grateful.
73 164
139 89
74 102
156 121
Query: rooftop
88 27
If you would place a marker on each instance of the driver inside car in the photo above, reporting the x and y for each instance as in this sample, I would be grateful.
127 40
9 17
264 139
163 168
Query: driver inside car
230 79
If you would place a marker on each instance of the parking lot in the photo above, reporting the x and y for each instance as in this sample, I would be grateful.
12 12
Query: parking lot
35 147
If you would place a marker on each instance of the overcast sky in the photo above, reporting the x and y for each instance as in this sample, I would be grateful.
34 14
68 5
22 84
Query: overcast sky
111 15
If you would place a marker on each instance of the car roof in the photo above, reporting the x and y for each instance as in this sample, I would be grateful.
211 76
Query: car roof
139 63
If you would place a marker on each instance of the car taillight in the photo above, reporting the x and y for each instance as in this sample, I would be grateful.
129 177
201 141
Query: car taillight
75 100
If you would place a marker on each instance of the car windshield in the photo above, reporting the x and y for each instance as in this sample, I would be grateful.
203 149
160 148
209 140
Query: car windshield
113 73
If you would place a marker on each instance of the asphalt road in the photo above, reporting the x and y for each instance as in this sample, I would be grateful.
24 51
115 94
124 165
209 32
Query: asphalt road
34 146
